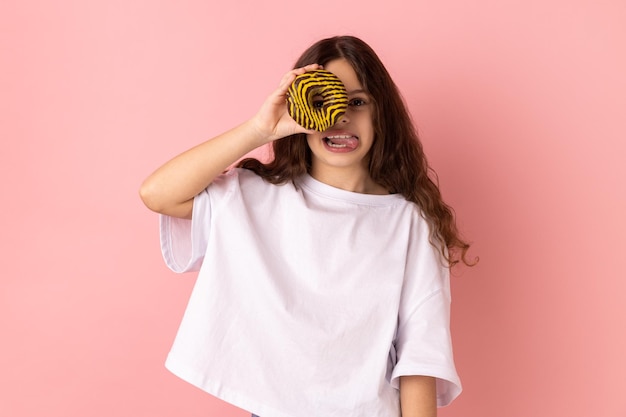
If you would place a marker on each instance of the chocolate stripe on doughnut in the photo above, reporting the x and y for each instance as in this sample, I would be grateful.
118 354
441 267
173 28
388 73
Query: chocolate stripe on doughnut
317 99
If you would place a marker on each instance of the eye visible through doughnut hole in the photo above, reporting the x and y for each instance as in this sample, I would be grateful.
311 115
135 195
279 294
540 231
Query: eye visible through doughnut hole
318 102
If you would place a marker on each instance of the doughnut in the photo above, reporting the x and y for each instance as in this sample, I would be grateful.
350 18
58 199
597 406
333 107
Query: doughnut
317 99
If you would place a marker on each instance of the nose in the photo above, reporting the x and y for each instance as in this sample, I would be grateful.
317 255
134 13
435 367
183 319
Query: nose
344 118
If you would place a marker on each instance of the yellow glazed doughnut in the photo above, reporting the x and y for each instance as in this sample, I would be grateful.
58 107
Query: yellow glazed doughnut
317 99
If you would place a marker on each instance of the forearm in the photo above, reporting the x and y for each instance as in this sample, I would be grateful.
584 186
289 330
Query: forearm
418 396
172 187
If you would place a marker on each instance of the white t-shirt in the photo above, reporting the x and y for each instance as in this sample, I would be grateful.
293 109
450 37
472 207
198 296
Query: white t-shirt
310 301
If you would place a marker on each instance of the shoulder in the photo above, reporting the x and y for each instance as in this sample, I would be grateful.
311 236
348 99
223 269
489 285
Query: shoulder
236 178
244 185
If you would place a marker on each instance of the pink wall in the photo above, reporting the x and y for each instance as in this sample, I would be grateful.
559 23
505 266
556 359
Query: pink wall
521 106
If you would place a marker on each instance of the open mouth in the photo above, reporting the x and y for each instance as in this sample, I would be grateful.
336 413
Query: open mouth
342 141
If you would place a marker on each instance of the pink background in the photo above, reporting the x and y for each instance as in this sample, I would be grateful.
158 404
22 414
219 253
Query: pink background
521 106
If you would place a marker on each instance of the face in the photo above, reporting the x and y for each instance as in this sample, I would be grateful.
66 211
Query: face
345 146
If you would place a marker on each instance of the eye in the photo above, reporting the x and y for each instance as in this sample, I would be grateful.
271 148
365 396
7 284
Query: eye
318 104
357 102
317 101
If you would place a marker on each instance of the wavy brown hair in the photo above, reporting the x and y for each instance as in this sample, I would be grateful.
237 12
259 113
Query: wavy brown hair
396 160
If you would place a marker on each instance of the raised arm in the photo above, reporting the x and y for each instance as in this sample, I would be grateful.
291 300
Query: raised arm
171 188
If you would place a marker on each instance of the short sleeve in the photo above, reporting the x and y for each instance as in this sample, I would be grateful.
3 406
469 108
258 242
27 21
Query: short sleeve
184 242
423 344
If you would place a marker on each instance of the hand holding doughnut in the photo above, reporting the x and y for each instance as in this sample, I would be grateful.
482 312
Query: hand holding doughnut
317 99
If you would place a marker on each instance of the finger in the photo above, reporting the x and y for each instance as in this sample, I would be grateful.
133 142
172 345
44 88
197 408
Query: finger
301 129
312 67
291 75
287 80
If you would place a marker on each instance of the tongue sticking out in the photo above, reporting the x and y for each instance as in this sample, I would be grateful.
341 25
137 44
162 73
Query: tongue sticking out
343 142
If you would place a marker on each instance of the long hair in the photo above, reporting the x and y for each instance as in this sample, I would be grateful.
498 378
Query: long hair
397 160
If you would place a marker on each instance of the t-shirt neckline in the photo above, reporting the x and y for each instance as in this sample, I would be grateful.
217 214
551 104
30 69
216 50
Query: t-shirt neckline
311 184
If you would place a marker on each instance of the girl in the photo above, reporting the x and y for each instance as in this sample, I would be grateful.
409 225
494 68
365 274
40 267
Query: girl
324 274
